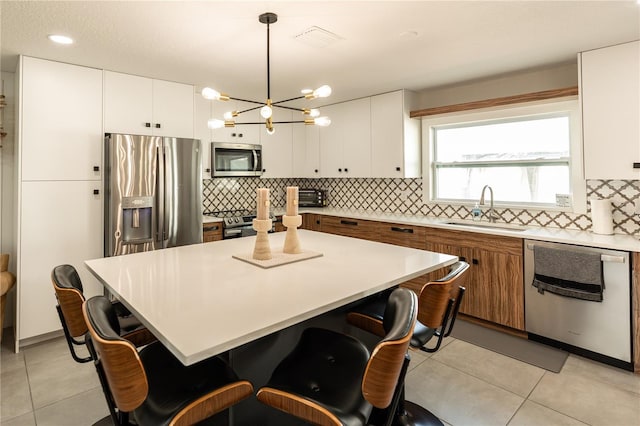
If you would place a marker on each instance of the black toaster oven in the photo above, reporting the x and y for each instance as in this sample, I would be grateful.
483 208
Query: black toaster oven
312 198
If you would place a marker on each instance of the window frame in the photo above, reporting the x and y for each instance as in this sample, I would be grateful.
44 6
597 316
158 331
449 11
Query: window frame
570 106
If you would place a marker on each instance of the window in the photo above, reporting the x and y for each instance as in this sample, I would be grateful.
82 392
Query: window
528 155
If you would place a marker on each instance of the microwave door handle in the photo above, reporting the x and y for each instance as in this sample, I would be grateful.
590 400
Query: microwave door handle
255 160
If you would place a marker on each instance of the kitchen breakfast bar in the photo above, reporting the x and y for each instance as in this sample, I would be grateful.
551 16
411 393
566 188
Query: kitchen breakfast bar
199 301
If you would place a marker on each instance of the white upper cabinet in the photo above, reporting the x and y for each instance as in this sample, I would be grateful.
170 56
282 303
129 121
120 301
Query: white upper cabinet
395 137
202 113
345 145
143 106
306 151
277 149
61 121
610 92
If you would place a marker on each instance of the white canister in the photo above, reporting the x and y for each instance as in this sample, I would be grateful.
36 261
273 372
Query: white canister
601 216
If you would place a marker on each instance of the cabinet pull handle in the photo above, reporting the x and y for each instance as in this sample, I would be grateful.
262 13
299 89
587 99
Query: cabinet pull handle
211 228
264 170
157 125
462 258
340 170
636 165
346 170
96 168
475 261
349 222
397 169
96 191
404 230
239 135
147 124
315 171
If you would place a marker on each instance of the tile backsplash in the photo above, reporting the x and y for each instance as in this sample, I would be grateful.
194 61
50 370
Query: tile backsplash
404 196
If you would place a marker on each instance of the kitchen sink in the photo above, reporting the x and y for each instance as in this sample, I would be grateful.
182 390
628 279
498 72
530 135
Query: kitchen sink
487 225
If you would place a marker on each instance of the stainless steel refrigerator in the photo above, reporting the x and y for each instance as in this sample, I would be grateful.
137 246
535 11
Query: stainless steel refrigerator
153 193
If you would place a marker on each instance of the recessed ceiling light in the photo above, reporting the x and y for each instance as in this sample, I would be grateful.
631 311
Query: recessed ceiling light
60 39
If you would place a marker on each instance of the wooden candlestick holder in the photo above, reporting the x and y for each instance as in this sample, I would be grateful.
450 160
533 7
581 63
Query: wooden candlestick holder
262 250
291 241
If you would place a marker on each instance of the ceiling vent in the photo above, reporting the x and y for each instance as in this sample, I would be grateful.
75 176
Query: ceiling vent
317 37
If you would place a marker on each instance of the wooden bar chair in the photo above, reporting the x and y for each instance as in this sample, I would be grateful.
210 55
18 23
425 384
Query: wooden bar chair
330 378
69 294
438 305
152 387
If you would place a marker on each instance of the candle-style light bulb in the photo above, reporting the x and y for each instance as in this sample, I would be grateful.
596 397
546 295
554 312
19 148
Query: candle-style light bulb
215 123
322 121
266 111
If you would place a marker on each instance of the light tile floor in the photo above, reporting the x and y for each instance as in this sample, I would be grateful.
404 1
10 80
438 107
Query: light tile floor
462 384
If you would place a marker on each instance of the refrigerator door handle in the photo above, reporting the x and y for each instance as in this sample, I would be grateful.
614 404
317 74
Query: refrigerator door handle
168 184
160 194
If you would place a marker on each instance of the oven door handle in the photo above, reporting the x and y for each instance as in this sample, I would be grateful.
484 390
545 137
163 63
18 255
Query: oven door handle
236 231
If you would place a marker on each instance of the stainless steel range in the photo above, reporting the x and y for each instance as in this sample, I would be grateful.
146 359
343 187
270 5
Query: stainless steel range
237 223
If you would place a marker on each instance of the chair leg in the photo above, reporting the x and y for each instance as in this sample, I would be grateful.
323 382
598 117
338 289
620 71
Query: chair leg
440 333
401 412
70 340
117 419
456 308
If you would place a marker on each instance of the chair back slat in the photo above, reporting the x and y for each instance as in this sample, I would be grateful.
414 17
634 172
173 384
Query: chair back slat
68 289
118 357
435 295
384 366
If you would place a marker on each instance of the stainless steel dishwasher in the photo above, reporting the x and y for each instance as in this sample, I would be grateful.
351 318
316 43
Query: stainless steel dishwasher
598 330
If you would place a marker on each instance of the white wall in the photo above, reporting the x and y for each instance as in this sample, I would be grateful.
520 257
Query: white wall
7 187
556 77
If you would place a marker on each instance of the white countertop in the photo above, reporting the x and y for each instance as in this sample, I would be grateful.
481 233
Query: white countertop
583 238
199 301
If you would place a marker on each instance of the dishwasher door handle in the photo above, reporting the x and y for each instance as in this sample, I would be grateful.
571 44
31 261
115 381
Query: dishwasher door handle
610 258
603 257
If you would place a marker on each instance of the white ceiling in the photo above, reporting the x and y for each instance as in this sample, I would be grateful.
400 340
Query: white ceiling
222 44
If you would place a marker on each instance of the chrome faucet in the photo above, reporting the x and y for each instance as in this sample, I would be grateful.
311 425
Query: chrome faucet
491 214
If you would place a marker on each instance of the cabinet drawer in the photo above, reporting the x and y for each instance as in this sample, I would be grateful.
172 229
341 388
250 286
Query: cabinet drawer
403 235
211 232
498 243
356 228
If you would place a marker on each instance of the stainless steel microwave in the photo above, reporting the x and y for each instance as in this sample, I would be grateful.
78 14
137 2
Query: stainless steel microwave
235 159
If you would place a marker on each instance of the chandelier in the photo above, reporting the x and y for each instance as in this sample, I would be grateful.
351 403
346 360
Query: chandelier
312 116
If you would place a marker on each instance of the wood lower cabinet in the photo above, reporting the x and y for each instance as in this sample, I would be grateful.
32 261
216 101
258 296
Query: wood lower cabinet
311 221
211 232
278 225
495 289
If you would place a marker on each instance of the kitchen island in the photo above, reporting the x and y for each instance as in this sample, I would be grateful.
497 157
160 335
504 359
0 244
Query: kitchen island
199 301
